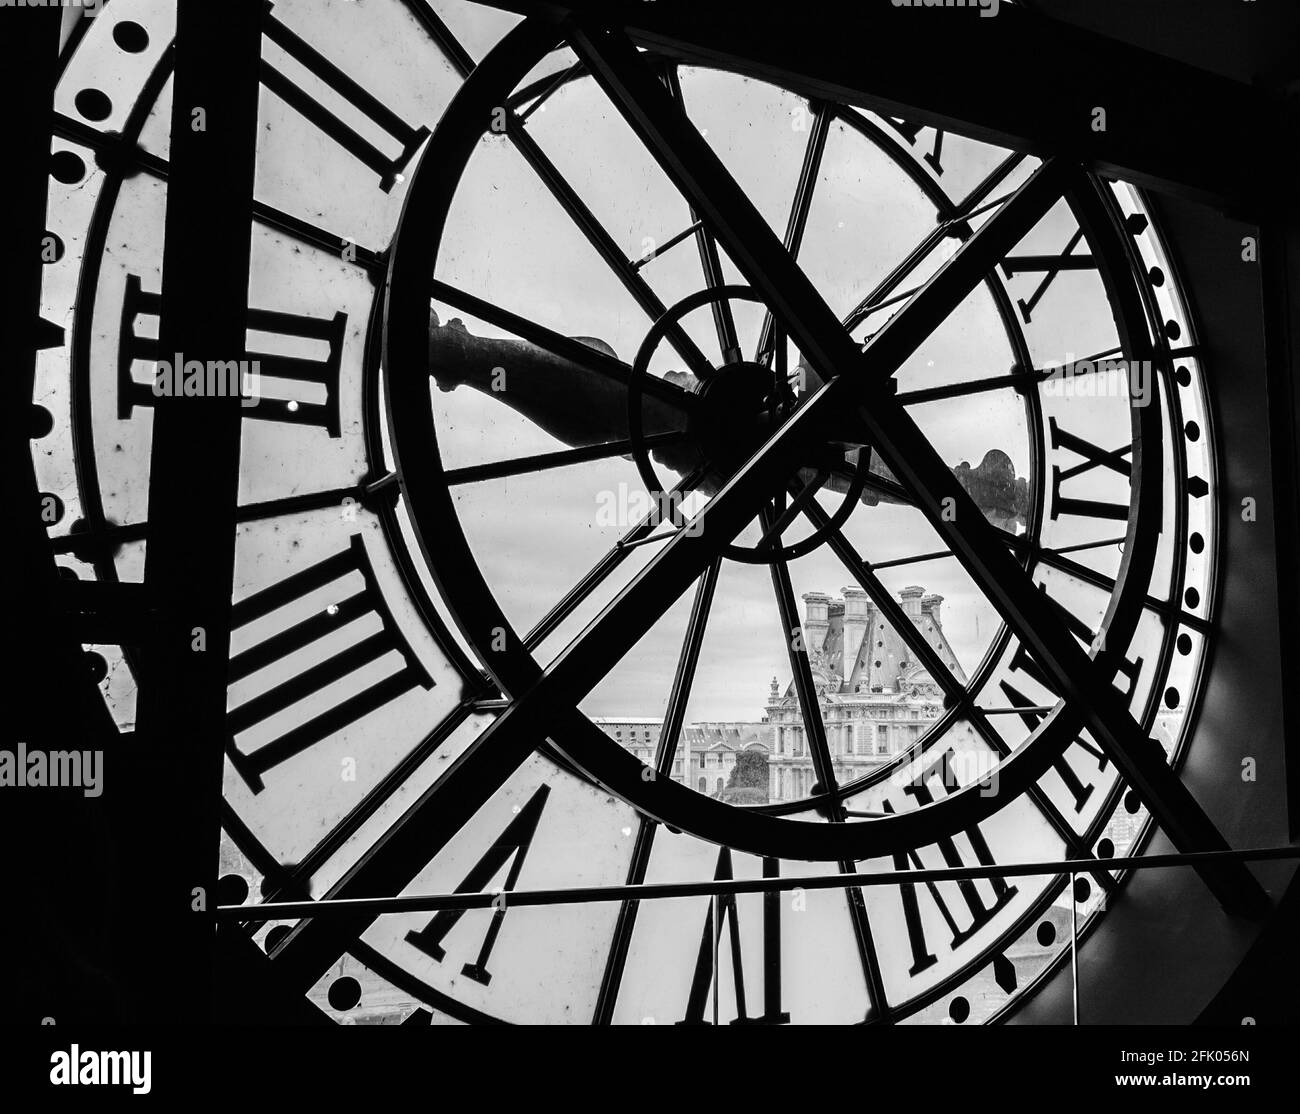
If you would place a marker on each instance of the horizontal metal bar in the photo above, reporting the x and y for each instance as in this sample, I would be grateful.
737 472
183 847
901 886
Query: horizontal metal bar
424 903
563 458
1016 264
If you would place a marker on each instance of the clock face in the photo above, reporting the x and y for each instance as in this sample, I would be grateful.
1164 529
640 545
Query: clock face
568 556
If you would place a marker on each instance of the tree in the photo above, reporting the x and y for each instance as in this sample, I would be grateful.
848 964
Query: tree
750 771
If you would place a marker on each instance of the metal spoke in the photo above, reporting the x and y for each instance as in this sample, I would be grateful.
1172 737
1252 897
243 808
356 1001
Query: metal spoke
953 224
541 462
543 88
825 341
605 247
671 242
800 206
674 717
597 575
823 764
801 670
710 262
971 205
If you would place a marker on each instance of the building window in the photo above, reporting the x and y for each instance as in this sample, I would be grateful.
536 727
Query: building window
704 784
719 788
701 766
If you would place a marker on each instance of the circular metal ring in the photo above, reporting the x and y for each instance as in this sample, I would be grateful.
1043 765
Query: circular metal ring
756 555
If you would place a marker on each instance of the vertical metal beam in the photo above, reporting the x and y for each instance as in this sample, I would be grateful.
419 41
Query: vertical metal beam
193 489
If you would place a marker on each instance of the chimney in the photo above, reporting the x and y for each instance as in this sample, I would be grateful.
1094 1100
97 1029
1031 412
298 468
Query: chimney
857 614
816 621
930 609
910 598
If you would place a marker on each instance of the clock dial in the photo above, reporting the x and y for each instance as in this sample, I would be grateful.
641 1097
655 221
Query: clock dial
597 389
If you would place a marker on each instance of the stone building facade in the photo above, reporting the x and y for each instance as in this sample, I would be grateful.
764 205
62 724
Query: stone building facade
706 752
875 698
716 747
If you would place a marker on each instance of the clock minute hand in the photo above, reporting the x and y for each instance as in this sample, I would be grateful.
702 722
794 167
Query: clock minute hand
580 402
